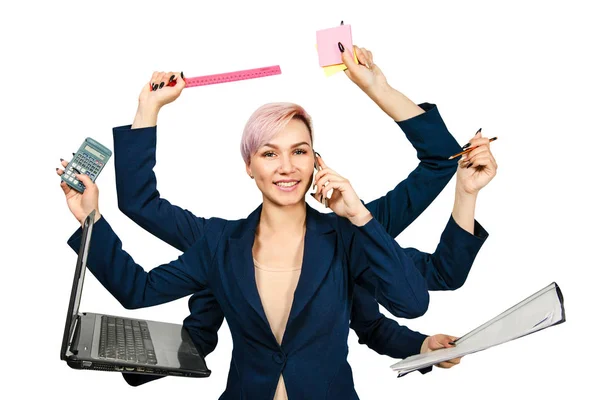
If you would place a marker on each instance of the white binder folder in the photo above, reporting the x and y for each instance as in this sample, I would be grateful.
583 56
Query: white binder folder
539 311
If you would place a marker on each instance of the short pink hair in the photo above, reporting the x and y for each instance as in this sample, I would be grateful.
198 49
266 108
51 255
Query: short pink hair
268 121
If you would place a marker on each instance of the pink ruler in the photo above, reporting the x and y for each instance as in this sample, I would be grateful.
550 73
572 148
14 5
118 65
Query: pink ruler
232 76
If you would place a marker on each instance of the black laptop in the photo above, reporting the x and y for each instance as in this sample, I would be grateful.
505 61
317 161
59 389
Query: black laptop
111 343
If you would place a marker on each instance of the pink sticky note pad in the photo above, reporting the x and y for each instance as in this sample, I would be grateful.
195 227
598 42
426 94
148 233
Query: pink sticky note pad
327 44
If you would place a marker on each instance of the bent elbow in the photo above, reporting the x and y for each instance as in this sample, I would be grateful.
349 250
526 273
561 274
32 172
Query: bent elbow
130 304
416 309
125 207
456 283
421 304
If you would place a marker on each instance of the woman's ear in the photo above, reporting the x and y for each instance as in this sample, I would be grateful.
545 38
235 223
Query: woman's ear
249 171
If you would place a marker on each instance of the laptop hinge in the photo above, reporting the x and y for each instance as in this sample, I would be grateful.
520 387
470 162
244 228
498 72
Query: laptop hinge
74 339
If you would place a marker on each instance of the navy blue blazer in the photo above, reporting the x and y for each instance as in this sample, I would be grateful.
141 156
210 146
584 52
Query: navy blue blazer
446 269
312 355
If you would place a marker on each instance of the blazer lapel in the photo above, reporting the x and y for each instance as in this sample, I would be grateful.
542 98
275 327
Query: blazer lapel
243 264
319 250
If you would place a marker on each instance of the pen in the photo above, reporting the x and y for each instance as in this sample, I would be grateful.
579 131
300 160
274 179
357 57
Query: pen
468 150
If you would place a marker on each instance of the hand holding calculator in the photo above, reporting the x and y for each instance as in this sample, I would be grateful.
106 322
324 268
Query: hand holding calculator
90 159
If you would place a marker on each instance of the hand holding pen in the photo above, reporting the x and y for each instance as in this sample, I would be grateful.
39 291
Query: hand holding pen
477 166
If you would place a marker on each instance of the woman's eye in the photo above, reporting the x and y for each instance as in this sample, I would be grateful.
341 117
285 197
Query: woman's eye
301 151
268 153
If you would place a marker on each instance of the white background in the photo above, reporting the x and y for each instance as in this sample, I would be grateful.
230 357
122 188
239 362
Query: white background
524 71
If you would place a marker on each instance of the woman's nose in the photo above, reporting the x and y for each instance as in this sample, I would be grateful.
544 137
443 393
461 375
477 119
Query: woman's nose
286 165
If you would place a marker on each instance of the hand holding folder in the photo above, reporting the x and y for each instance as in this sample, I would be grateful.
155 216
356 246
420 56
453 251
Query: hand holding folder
539 311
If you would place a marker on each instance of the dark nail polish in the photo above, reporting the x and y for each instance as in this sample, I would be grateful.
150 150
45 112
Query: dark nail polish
342 23
57 169
161 85
171 78
466 146
73 153
469 166
62 159
479 131
341 46
182 75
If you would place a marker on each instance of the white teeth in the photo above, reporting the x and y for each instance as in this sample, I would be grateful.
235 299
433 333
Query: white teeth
286 184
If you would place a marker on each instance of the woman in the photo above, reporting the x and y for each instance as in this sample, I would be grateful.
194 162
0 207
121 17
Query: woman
446 269
424 342
334 251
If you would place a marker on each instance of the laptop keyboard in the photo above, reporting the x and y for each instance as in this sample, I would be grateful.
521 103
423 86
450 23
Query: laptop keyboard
127 340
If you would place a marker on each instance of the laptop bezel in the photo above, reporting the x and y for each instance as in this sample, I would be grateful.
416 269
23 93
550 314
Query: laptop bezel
77 288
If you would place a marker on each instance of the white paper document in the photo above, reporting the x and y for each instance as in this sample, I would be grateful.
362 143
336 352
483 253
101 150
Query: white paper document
539 311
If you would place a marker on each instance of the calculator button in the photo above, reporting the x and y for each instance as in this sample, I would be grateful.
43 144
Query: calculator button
75 181
70 179
83 170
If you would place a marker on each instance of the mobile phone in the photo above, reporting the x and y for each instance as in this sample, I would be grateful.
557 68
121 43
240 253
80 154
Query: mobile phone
90 159
324 200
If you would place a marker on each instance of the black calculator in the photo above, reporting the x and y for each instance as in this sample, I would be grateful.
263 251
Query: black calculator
89 159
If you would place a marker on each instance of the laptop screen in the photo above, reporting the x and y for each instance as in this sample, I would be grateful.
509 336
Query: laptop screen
75 299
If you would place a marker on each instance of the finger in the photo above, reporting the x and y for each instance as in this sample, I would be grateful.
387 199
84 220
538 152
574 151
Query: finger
446 340
86 180
454 361
478 133
321 163
483 160
323 172
59 171
323 180
180 80
445 365
171 78
326 180
477 150
348 61
161 80
66 188
362 56
153 80
369 57
64 163
335 184
475 141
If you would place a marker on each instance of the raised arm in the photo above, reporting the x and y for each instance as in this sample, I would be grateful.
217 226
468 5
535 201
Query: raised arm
135 158
427 133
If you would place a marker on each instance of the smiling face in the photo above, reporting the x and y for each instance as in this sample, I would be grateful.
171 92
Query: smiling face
283 168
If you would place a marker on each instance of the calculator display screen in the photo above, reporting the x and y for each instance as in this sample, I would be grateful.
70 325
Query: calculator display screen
94 152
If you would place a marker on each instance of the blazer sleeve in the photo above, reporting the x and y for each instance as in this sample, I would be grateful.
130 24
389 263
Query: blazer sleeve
434 144
448 267
381 334
137 193
380 265
129 283
204 321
